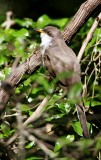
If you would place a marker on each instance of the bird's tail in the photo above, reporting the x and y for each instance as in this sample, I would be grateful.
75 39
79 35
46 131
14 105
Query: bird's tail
83 120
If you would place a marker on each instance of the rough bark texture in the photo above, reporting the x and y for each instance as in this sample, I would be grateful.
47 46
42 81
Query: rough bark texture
80 18
34 60
14 78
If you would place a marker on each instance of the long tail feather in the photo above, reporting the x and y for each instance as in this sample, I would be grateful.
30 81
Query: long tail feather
83 120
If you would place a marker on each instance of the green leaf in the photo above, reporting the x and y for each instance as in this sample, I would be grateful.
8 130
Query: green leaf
57 147
2 75
92 103
59 22
3 60
77 127
95 103
21 33
7 71
56 116
5 127
24 108
1 38
35 90
64 107
26 22
31 144
1 135
63 141
27 82
75 91
34 158
43 21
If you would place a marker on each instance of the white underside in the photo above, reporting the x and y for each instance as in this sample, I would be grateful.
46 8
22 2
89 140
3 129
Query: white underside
45 41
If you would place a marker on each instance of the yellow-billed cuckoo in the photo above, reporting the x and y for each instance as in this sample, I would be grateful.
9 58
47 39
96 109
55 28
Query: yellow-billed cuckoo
57 57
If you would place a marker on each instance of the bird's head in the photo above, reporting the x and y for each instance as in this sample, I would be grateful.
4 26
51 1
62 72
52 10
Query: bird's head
47 34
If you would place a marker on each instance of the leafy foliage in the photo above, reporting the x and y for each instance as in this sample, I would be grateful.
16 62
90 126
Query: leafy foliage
58 127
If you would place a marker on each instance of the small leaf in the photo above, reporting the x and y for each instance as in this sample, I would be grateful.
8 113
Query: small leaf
27 82
95 103
34 158
1 135
7 71
77 127
21 33
24 108
26 22
43 21
1 38
63 141
5 127
31 144
57 147
92 103
64 107
3 60
59 22
56 116
75 91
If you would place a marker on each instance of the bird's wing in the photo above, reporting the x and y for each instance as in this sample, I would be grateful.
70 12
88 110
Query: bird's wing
61 59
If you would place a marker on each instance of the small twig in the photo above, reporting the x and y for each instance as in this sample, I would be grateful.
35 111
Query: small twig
42 135
95 59
21 147
92 60
91 74
38 111
15 63
9 22
40 144
85 79
100 63
11 115
89 36
95 80
32 118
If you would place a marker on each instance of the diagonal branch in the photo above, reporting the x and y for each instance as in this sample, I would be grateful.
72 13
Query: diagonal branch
80 18
14 78
89 37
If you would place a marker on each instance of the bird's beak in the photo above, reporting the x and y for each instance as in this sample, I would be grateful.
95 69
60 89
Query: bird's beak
40 30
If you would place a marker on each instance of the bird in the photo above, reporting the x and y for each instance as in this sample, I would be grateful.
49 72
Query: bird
59 58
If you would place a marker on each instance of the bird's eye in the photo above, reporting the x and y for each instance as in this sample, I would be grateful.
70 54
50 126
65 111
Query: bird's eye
48 32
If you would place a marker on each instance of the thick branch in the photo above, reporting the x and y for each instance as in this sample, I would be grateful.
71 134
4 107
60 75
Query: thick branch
35 60
80 18
14 78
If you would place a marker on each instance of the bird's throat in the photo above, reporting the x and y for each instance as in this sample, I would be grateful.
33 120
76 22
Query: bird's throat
45 43
45 40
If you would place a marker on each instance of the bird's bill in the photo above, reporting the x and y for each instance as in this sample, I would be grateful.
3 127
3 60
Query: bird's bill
39 30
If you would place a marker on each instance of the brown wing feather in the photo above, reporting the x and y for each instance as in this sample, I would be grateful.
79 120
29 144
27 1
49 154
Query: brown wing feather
62 60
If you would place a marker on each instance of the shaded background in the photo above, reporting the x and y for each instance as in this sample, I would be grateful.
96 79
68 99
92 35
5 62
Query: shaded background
35 8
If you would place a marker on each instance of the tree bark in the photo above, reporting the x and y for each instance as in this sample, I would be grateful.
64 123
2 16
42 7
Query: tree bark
80 18
34 60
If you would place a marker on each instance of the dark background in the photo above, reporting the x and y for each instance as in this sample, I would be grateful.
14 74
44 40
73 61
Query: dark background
35 8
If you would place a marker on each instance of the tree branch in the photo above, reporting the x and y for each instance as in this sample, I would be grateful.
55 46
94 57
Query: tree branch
89 37
80 18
